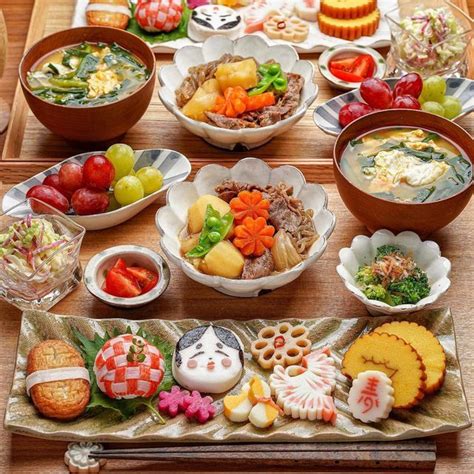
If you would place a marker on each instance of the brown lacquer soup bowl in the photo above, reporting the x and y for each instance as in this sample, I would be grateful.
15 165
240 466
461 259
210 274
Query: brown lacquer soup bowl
90 123
420 217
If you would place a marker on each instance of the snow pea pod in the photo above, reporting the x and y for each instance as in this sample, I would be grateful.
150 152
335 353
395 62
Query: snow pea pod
272 77
214 230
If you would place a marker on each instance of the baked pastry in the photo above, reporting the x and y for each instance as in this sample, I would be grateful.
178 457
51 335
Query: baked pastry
128 366
282 344
209 359
210 20
114 13
426 344
349 29
159 15
393 356
346 9
57 380
292 29
371 396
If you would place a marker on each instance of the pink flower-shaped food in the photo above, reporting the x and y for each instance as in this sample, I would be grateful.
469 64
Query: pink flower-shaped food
172 402
198 408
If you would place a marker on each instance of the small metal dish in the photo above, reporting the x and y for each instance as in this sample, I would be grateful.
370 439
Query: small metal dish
342 51
97 267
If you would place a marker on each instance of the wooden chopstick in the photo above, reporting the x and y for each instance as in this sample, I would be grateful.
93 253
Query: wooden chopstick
413 455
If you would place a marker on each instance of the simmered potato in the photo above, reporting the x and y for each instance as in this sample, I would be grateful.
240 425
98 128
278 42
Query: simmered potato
223 260
202 101
242 73
197 211
189 243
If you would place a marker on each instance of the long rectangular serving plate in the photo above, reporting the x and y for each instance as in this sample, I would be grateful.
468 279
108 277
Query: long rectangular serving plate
446 411
316 41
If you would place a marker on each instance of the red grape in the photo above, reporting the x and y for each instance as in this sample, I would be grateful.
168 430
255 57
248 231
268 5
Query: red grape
353 111
50 196
89 201
376 93
98 172
70 177
406 102
53 181
409 84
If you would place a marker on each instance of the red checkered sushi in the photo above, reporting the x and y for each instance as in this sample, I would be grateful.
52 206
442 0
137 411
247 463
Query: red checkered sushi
128 366
158 15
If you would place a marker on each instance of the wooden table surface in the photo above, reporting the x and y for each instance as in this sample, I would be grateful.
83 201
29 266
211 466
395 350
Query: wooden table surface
318 293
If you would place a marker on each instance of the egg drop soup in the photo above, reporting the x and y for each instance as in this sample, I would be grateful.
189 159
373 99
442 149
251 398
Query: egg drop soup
407 165
87 74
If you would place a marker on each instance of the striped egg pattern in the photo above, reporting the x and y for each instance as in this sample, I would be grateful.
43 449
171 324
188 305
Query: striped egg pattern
118 377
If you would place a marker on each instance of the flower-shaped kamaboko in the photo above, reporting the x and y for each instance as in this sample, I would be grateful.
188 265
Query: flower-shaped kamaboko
128 366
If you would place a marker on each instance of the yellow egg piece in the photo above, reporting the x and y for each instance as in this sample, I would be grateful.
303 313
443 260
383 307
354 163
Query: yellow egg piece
263 414
258 389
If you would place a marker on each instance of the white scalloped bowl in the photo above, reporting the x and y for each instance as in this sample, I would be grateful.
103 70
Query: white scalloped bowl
171 77
426 254
172 218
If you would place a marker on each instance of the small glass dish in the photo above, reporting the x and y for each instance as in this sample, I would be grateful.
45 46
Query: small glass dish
430 37
45 267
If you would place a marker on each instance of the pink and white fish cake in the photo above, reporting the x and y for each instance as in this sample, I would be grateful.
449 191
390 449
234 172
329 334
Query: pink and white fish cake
305 391
128 366
260 10
371 396
158 15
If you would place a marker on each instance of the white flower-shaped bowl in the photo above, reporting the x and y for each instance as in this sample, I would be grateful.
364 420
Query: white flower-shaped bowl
426 254
172 219
171 77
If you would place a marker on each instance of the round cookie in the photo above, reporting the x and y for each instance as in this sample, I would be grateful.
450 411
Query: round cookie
61 399
209 359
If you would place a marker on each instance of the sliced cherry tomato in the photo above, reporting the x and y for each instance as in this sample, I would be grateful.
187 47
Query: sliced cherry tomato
346 76
121 283
364 66
145 278
343 64
120 263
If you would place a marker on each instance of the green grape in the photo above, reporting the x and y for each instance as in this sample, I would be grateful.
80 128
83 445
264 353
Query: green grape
128 189
433 107
434 89
151 178
113 204
452 107
122 157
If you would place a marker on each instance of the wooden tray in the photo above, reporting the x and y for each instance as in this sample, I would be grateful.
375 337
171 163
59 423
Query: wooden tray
30 148
443 412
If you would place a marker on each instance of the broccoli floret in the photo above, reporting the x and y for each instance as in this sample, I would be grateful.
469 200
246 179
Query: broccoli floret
412 289
376 292
387 250
365 276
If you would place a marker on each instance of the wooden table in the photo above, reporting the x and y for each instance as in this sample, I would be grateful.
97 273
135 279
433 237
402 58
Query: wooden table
319 292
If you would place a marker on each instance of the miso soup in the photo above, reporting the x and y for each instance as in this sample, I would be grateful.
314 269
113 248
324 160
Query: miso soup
405 164
87 74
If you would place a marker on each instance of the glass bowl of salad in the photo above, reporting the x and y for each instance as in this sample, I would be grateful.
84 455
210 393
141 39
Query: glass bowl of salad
430 37
39 255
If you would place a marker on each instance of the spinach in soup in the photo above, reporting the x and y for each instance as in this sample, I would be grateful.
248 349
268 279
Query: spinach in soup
404 164
87 74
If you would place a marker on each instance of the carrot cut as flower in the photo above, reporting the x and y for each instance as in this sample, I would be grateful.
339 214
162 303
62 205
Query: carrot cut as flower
249 204
233 103
253 236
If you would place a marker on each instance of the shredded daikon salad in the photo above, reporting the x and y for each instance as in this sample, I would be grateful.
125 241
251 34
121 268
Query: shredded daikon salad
29 243
433 39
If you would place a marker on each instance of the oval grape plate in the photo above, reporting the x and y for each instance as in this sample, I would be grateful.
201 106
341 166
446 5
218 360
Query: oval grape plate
174 167
326 115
